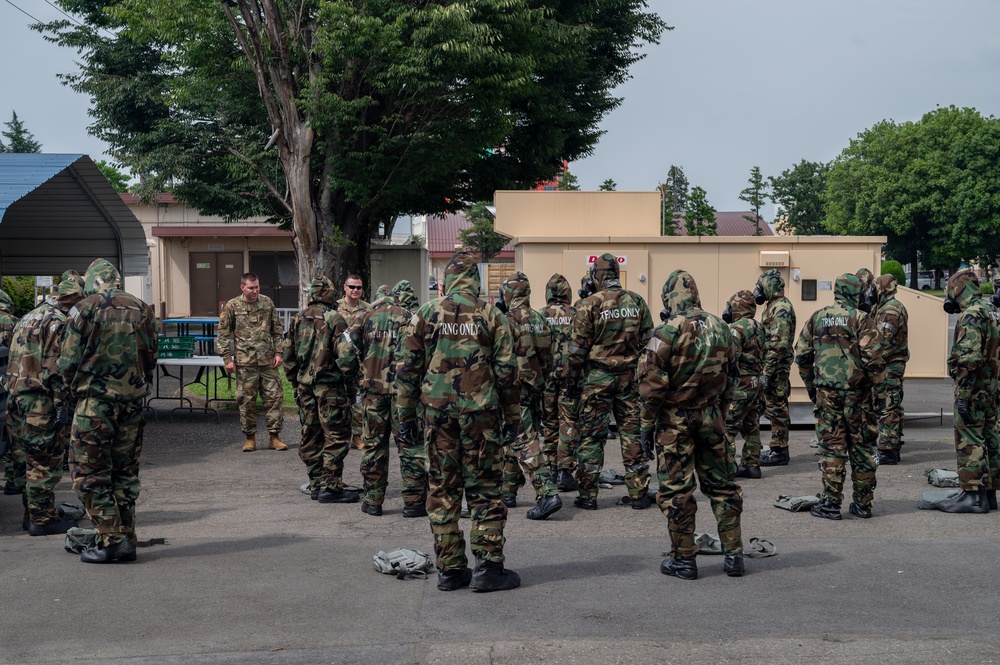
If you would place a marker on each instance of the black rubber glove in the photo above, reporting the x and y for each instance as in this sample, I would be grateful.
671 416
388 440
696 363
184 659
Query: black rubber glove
62 417
962 406
646 442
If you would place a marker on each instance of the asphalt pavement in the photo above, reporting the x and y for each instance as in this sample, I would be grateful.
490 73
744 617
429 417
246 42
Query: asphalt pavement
253 572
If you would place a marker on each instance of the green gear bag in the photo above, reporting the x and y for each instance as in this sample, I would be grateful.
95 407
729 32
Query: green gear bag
403 563
941 477
78 539
796 504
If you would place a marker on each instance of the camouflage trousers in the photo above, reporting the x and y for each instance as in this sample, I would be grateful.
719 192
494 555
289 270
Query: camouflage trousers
977 444
559 426
693 442
744 418
325 416
890 418
776 408
526 455
380 423
464 453
605 393
14 457
32 420
841 427
263 380
107 444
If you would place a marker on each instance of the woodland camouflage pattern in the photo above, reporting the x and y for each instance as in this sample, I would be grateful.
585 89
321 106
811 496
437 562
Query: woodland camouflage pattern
744 412
610 330
560 407
869 407
839 357
974 365
687 376
107 362
892 323
7 319
779 334
457 361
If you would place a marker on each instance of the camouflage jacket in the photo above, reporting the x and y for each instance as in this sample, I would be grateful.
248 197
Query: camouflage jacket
256 330
690 362
974 361
372 342
110 341
530 333
457 354
779 325
311 350
7 319
559 315
891 321
748 338
34 350
350 313
838 347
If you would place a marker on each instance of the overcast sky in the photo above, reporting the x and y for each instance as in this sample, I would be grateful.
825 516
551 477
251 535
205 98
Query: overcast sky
735 84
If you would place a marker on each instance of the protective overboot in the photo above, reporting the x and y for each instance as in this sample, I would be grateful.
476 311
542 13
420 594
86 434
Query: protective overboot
858 511
965 502
748 472
327 495
775 457
553 472
276 443
371 509
827 509
565 481
643 502
509 500
491 576
251 444
450 580
415 510
888 457
121 551
733 565
10 488
991 499
52 528
546 506
681 567
586 502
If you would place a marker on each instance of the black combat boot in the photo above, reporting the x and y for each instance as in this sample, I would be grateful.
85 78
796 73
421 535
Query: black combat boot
991 499
491 576
415 510
121 551
827 509
52 528
327 495
553 472
586 502
733 565
371 509
546 506
748 472
775 457
683 567
510 500
643 502
858 511
974 501
888 457
565 481
450 580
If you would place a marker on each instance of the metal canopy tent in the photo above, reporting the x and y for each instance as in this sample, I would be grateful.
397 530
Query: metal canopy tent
59 212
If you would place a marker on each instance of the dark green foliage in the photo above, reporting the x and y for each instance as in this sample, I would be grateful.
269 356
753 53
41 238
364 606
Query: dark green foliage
480 238
673 200
699 215
18 138
894 268
755 195
21 290
801 193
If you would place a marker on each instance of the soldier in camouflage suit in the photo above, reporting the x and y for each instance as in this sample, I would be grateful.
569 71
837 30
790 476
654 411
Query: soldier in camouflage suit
251 324
779 332
457 361
891 321
532 349
372 342
560 407
610 329
351 306
974 365
744 413
38 407
107 363
839 360
318 375
687 376
13 458
866 303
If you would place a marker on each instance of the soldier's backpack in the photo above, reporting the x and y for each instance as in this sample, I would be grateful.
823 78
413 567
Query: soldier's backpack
403 563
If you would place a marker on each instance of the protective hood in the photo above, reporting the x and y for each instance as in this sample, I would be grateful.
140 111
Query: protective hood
962 289
403 292
868 298
557 291
70 289
382 294
6 304
516 291
604 272
847 290
741 306
885 288
101 276
322 291
771 285
461 275
587 287
679 294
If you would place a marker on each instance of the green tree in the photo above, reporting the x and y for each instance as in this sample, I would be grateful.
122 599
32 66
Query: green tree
19 139
334 116
894 268
800 193
568 182
118 179
699 215
755 195
608 185
481 236
21 290
673 199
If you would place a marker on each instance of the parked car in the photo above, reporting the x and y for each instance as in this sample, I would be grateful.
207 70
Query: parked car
925 280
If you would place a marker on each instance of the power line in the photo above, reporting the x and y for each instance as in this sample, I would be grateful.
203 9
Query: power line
59 9
22 11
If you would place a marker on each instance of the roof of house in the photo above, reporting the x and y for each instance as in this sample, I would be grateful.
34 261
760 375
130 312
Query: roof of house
58 211
731 224
442 235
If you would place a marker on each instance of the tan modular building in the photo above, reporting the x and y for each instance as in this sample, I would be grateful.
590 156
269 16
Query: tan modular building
561 232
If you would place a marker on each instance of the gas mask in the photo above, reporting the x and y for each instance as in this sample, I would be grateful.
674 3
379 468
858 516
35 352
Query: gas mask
995 298
587 288
664 314
500 304
727 315
758 295
867 301
951 305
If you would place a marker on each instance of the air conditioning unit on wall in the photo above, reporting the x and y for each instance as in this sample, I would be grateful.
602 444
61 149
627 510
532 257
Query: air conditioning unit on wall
773 260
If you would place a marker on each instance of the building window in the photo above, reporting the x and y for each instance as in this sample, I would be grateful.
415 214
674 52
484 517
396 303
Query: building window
279 277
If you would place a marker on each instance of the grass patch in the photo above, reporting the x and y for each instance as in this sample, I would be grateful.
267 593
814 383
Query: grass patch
227 388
